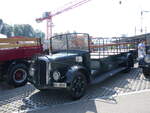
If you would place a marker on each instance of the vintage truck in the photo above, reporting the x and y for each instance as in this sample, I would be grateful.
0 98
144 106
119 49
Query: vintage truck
15 55
144 62
74 62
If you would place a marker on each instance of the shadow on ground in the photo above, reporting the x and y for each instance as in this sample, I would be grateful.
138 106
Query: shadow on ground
33 99
103 90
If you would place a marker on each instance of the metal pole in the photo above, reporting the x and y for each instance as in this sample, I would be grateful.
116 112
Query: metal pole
49 28
141 22
142 12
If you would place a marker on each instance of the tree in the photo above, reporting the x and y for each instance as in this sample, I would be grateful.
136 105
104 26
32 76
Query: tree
39 34
1 25
18 30
25 30
7 30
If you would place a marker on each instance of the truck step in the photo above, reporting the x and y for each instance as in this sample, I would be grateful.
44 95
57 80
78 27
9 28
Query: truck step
104 76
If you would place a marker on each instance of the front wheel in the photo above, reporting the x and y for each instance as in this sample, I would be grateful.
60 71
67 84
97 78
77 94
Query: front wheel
78 86
17 75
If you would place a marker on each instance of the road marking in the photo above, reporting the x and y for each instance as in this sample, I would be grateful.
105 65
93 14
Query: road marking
134 92
122 94
97 98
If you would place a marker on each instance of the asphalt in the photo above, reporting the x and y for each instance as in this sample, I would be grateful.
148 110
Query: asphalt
99 98
134 102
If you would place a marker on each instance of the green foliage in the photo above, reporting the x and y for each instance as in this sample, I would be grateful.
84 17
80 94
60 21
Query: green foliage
39 34
24 30
7 30
1 25
20 30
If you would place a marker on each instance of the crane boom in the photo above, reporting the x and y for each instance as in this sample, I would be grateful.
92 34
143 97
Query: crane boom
48 15
72 5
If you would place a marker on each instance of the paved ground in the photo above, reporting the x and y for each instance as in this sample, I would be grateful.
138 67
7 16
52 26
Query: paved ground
29 99
137 102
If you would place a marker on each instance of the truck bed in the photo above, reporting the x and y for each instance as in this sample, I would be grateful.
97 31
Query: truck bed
19 53
19 48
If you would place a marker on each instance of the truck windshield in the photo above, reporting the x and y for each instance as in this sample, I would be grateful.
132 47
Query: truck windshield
70 41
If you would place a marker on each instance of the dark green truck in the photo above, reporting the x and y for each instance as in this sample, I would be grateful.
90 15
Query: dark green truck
76 61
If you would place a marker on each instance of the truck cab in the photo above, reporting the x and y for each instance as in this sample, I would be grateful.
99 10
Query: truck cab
74 63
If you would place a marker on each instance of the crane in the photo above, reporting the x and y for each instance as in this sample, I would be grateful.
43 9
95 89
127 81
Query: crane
49 15
142 12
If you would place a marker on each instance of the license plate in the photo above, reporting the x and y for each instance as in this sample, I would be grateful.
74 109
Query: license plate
61 85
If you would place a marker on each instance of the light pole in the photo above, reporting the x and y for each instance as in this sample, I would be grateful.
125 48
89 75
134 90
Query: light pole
142 12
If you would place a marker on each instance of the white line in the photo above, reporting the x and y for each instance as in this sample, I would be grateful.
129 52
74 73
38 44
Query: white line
122 94
134 92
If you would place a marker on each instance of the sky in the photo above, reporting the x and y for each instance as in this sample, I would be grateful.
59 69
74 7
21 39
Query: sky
99 18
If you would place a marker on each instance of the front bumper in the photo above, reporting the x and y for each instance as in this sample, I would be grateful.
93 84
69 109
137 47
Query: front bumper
53 85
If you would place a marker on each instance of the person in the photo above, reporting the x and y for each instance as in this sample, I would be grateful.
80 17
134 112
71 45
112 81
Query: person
141 50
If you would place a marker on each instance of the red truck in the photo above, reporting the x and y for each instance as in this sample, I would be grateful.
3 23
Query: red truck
15 57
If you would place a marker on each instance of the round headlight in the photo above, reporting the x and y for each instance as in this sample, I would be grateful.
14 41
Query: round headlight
56 75
147 59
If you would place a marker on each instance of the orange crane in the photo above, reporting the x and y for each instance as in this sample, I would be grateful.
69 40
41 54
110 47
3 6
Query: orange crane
49 15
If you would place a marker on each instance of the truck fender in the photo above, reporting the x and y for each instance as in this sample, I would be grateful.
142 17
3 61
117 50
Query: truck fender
16 62
129 55
71 73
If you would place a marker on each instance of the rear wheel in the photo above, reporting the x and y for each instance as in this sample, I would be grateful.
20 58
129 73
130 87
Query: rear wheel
129 64
17 75
42 90
146 73
78 86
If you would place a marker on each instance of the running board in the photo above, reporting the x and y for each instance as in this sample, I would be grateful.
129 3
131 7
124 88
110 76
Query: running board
102 77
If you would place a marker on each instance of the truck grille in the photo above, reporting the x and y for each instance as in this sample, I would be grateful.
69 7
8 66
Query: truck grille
42 72
39 77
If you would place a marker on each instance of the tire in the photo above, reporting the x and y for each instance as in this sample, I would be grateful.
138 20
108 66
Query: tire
146 73
78 86
42 90
129 64
17 75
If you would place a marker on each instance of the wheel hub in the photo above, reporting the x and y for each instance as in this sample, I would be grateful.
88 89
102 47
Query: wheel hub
19 75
